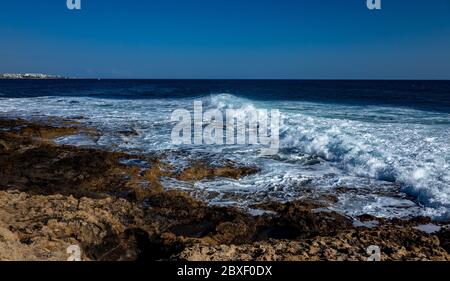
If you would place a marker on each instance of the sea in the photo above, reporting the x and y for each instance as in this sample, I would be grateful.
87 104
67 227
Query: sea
379 147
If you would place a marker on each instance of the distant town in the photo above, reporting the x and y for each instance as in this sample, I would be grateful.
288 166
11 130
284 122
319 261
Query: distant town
30 76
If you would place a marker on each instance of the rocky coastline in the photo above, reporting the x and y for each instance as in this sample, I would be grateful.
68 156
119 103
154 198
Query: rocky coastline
54 196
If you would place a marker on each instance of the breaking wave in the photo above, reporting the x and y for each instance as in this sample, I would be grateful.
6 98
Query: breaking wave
377 149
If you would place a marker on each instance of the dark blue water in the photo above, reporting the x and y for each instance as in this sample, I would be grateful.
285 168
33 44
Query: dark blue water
425 95
372 136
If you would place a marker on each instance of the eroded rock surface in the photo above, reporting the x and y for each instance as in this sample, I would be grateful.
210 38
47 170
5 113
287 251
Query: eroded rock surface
54 196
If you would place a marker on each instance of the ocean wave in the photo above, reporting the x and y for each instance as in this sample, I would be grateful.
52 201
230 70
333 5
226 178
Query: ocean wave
323 146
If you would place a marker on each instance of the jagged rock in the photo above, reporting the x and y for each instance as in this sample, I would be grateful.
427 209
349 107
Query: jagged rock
54 196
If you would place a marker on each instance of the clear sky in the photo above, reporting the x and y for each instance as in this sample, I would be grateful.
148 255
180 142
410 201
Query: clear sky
296 39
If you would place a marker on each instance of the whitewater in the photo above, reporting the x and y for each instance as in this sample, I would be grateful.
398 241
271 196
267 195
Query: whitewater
388 161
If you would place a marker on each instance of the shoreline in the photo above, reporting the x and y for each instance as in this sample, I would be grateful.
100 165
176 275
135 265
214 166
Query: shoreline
53 196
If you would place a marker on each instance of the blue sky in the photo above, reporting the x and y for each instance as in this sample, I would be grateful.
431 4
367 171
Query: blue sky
310 39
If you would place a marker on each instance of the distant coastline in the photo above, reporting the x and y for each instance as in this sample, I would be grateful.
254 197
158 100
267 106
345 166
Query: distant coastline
30 76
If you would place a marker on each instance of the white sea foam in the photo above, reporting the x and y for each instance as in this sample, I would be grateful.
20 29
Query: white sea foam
374 149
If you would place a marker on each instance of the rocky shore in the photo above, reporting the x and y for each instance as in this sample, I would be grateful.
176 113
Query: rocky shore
53 196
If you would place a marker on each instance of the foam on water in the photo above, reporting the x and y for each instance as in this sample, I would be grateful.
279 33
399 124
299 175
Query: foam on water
373 151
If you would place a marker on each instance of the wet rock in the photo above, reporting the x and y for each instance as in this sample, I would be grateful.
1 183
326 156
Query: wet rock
200 171
128 133
301 219
54 196
444 238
